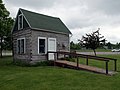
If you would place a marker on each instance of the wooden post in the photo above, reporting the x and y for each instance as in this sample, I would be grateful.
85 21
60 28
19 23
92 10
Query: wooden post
77 62
106 67
54 59
57 55
115 68
47 55
64 55
87 60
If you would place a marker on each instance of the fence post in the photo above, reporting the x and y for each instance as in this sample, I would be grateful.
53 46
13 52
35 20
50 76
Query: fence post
57 56
87 60
47 55
115 65
106 67
77 62
54 59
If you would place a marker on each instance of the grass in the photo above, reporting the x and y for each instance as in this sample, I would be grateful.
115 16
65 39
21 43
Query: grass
101 64
14 77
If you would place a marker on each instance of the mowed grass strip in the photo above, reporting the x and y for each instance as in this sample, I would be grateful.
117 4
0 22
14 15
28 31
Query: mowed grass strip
55 78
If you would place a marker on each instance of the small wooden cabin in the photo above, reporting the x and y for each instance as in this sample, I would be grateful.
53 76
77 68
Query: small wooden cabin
35 34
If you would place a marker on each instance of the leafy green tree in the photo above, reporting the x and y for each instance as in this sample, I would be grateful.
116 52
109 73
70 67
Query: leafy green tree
117 45
74 46
6 23
109 45
92 41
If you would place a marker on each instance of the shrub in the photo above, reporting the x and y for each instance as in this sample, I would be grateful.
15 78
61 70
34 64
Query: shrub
42 63
70 59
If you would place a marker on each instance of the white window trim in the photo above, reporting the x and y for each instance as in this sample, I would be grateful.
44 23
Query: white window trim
45 44
19 21
24 45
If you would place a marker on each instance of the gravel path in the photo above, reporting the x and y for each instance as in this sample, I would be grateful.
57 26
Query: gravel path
87 53
102 53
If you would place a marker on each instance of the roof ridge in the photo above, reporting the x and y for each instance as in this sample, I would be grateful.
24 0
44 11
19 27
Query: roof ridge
44 21
39 13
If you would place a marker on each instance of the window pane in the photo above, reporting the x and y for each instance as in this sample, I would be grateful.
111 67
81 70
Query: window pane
22 45
18 46
20 22
41 45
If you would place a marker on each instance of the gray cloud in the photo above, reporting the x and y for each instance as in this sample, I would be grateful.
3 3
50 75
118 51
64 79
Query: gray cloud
36 4
110 7
80 16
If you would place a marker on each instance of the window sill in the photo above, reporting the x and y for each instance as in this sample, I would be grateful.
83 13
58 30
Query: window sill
22 54
42 54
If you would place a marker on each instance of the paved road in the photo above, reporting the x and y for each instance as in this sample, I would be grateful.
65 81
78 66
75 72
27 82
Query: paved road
102 53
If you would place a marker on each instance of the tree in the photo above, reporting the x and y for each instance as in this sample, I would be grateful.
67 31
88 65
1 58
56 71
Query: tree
6 23
74 46
109 45
92 41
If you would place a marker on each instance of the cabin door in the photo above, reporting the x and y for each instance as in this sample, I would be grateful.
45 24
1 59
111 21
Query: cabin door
51 47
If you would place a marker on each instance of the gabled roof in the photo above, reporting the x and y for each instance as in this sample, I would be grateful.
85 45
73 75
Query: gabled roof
40 21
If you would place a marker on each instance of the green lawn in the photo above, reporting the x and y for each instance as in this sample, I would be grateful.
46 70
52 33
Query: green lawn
55 78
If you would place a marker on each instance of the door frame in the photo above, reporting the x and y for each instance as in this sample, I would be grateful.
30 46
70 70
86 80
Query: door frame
55 45
45 44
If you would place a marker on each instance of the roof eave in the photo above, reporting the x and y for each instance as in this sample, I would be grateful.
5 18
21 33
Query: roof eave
20 10
15 21
25 18
50 31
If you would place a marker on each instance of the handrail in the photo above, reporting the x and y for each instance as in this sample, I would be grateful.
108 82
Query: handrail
84 56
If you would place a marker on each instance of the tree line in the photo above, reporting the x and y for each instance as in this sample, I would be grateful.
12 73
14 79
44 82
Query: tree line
108 45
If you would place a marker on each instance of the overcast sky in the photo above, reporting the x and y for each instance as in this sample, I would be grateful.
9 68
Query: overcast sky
80 16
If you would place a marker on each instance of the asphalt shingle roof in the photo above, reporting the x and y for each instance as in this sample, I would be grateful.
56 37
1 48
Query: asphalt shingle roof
40 21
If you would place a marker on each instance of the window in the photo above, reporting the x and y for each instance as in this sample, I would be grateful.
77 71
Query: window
41 45
21 46
20 22
18 44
